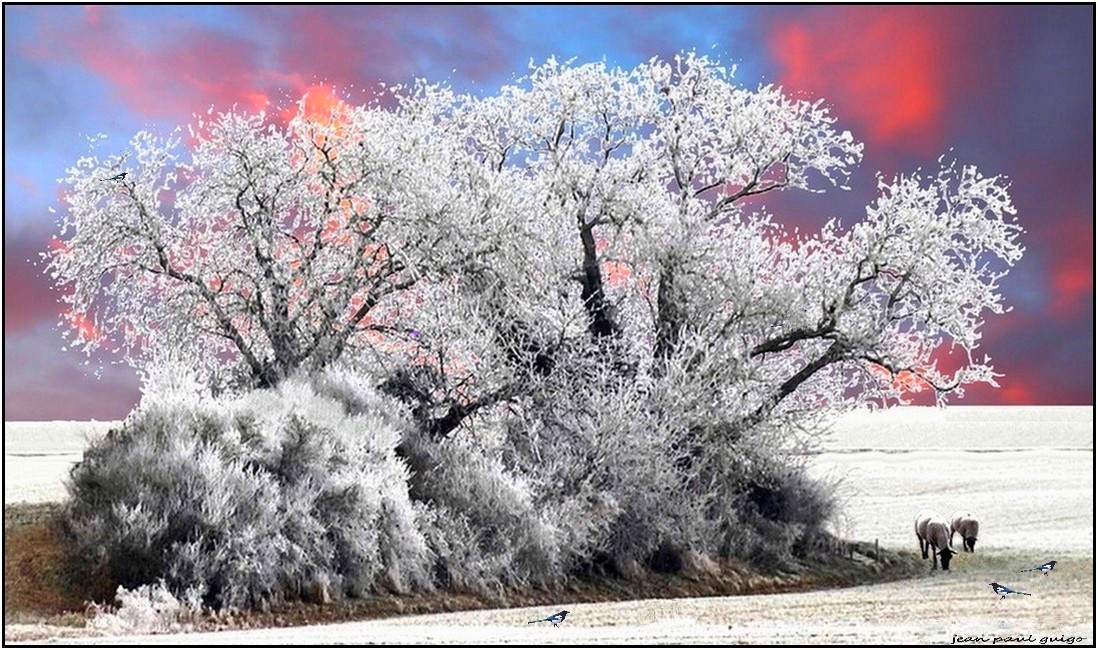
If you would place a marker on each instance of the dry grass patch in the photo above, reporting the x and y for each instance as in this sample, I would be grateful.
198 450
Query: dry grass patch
39 583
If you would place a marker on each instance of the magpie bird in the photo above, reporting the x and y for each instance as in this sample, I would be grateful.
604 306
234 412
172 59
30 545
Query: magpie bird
555 619
1003 591
1044 568
117 177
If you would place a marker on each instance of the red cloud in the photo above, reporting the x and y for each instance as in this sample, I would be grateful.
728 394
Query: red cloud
46 383
1071 243
173 77
288 50
29 298
1017 389
320 103
1054 368
883 68
1013 390
92 13
344 45
327 42
1016 392
27 183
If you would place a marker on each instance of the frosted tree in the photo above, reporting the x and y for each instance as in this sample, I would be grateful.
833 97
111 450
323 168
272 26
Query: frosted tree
637 227
580 261
268 249
278 248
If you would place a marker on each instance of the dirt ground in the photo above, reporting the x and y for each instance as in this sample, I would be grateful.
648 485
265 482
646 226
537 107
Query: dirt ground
1031 485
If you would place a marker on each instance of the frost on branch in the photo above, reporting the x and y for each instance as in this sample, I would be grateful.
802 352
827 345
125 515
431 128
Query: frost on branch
267 249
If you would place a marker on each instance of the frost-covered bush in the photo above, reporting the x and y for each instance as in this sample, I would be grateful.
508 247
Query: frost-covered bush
783 513
272 495
604 467
647 472
146 609
487 525
482 522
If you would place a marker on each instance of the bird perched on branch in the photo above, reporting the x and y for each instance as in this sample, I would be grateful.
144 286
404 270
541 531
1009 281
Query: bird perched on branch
555 619
1044 568
117 177
1003 591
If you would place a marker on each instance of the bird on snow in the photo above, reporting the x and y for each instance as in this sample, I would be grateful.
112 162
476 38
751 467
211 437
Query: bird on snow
1003 591
117 177
1044 568
555 619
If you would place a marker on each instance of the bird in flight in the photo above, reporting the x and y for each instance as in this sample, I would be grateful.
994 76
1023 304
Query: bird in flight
555 619
1044 568
1004 591
117 177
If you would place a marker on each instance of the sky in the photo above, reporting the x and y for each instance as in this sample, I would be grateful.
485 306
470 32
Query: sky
1010 89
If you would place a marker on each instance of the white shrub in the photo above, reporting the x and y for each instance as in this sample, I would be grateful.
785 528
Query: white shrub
145 610
271 495
486 526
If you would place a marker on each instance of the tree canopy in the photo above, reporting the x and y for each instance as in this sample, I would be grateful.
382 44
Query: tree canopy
477 237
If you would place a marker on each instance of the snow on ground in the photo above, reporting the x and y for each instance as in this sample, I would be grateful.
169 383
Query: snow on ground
930 610
1035 499
965 427
1026 472
38 456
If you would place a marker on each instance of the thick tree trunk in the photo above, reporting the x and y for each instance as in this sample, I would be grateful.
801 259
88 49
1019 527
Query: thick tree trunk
669 318
601 323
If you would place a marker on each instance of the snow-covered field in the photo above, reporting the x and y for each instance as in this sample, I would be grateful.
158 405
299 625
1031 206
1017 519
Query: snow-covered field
1027 472
38 456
